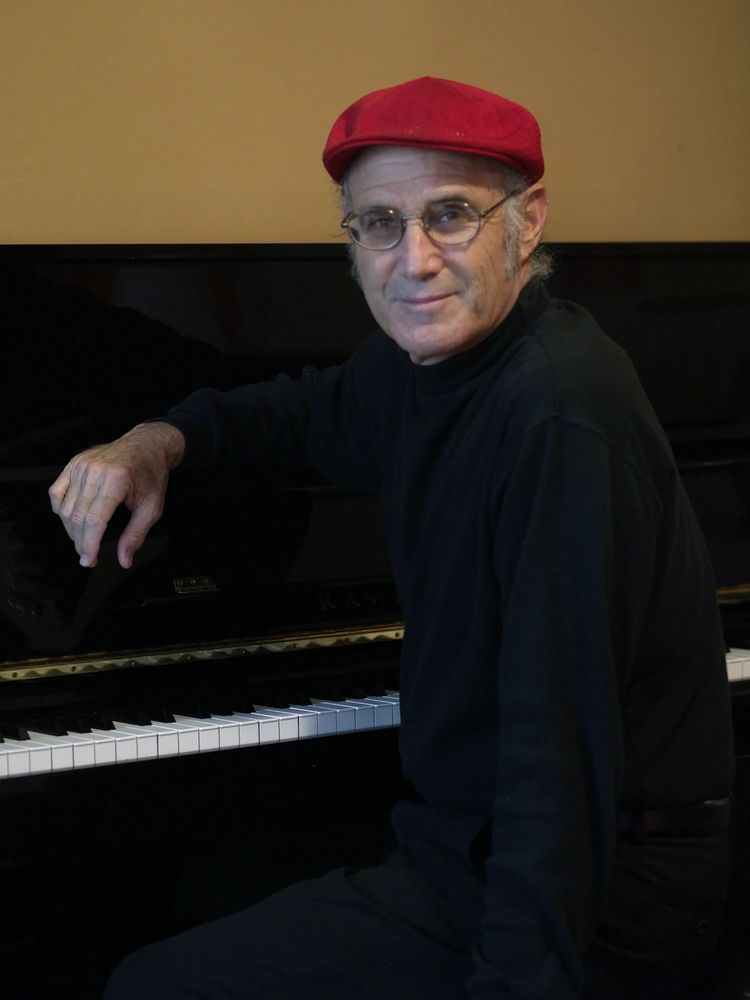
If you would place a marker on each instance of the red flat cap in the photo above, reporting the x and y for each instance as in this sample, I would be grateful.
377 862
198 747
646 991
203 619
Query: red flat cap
437 114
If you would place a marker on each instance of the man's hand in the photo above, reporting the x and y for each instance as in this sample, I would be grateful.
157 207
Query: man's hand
133 470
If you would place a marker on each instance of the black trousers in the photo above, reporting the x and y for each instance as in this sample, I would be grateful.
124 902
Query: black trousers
319 938
332 938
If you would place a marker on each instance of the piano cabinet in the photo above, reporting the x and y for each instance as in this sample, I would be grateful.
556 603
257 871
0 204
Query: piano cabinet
257 596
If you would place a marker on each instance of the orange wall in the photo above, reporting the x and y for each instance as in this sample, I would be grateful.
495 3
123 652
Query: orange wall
203 120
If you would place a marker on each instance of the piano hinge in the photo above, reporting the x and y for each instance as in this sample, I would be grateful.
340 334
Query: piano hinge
21 670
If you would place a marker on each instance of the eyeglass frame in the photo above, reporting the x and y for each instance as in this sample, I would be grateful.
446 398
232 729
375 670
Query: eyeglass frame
481 216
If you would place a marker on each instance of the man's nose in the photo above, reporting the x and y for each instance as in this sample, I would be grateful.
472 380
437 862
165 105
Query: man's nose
420 257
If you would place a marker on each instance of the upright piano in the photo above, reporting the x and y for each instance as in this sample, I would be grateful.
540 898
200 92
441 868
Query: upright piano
183 738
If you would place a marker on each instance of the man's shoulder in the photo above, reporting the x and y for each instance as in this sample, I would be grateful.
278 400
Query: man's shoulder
574 363
566 368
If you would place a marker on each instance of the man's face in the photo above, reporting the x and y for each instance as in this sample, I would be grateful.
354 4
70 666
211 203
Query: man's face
436 301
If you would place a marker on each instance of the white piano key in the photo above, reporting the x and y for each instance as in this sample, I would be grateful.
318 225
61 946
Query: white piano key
188 737
15 761
105 750
209 737
734 667
346 720
268 727
383 711
364 713
229 733
214 733
738 665
61 750
306 721
146 742
35 758
83 749
167 740
395 700
15 758
288 723
325 718
248 729
126 745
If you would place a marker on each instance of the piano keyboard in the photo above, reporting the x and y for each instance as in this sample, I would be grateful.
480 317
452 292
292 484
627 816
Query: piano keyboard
42 753
738 665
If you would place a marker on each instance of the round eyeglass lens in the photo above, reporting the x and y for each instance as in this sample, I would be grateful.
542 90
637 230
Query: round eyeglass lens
451 222
377 229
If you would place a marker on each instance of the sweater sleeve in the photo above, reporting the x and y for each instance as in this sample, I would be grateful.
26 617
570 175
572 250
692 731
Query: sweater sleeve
317 421
574 555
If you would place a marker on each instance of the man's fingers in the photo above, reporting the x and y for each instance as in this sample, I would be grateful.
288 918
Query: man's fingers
133 470
93 494
142 520
89 526
58 490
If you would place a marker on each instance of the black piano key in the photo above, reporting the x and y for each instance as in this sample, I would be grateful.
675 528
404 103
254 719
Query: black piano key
48 724
273 697
239 702
132 714
13 730
75 722
191 708
157 712
376 689
98 720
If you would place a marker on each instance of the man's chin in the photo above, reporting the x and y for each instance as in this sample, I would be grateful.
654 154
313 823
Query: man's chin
428 345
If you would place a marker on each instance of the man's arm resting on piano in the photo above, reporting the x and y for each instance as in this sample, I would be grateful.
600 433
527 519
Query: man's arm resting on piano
133 470
314 420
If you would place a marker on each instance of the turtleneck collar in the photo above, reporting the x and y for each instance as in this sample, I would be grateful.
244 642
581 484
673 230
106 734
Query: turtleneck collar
461 369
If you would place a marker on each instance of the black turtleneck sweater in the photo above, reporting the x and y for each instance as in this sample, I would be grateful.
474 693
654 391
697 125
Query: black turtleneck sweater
562 656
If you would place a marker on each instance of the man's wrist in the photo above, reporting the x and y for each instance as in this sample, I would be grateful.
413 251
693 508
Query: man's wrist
169 437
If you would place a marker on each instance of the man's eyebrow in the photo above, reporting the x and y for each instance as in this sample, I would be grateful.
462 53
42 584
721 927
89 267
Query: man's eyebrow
378 206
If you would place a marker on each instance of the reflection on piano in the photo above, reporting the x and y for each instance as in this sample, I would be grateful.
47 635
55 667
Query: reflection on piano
260 618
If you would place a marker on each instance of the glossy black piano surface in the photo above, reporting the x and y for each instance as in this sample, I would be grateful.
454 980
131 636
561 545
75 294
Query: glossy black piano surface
256 589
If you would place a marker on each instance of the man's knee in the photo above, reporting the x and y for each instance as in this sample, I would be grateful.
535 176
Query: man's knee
148 972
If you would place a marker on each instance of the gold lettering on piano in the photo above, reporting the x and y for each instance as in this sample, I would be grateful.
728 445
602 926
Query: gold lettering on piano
351 598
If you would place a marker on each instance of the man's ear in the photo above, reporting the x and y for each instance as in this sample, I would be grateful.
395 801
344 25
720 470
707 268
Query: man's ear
536 204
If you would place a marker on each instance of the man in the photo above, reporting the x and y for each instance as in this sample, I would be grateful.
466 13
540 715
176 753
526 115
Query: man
565 711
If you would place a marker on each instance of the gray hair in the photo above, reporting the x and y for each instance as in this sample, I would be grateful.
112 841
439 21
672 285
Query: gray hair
511 182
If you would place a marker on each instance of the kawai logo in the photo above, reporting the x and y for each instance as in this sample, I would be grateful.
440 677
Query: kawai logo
363 597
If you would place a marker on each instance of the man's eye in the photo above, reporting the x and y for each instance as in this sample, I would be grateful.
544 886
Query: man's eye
373 221
448 215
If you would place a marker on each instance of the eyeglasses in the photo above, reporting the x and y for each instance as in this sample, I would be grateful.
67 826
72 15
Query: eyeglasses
447 223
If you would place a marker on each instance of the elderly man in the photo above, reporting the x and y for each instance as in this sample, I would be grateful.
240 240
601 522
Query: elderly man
565 711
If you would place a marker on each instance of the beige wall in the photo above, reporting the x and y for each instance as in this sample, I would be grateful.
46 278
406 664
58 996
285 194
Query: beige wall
203 120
